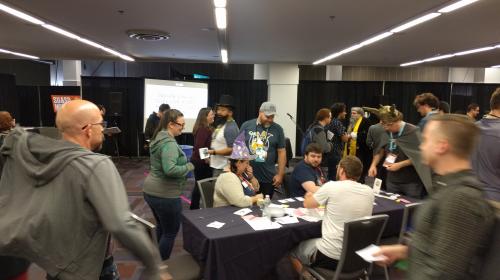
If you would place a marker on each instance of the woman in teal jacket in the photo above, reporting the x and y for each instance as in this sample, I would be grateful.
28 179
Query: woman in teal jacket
167 179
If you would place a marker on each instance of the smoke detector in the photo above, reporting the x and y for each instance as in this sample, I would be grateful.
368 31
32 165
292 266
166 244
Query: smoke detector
148 35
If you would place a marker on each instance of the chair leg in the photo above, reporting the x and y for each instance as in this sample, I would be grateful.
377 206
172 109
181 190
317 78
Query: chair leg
386 273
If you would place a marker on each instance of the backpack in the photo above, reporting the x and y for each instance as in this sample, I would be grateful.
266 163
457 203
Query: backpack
308 138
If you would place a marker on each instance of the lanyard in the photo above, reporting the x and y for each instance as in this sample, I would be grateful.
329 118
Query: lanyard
246 181
392 141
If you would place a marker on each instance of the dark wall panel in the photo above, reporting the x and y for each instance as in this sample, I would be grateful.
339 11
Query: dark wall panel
27 72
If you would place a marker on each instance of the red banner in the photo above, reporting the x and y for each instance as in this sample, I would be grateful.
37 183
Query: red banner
59 100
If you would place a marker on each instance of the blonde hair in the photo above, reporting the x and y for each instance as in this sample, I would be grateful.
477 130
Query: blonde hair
389 114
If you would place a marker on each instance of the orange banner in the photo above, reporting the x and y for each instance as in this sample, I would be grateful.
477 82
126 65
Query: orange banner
59 100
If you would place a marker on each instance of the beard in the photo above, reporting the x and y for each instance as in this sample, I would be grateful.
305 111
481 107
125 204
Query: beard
219 120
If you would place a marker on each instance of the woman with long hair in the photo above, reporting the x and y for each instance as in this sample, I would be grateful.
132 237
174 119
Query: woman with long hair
202 133
236 185
167 179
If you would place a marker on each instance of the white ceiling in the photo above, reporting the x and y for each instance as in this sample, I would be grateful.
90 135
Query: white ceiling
259 31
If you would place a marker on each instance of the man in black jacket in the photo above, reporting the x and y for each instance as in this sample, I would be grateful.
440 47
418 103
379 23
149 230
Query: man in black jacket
153 121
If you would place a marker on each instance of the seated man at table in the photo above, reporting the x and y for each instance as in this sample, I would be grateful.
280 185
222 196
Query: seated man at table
307 175
236 185
345 200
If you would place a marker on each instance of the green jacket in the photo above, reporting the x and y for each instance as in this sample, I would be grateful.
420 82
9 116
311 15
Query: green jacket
169 167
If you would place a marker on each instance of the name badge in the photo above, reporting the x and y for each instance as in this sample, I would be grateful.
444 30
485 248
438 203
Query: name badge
390 159
245 184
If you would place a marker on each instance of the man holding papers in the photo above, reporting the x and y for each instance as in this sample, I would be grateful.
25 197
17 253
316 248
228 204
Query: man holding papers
345 200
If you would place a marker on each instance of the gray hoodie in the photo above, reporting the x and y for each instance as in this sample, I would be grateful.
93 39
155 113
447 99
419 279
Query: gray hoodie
58 204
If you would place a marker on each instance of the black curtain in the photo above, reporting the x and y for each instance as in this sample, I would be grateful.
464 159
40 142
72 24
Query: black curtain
402 95
8 95
464 94
314 95
247 94
100 89
46 109
29 106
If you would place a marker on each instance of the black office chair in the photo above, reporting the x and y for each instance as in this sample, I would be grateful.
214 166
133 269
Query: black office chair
289 151
358 234
182 267
207 188
491 259
407 225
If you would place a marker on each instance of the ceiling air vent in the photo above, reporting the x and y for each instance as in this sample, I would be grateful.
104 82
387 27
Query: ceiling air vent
148 35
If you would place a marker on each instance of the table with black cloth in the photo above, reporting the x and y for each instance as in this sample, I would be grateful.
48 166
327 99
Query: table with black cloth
236 251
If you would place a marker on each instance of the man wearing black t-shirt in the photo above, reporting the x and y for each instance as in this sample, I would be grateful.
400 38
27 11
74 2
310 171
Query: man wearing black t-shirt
307 175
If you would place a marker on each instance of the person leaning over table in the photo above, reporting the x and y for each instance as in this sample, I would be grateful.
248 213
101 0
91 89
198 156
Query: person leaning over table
236 185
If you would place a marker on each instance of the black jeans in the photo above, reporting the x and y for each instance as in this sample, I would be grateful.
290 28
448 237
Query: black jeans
320 260
201 171
266 189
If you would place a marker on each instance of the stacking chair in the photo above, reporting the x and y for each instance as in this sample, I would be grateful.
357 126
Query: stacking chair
492 257
182 267
207 188
358 234
407 225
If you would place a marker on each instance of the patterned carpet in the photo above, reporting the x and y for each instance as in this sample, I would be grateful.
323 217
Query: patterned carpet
133 172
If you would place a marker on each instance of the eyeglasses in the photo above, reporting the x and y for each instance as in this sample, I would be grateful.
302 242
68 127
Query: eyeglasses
387 124
180 124
104 124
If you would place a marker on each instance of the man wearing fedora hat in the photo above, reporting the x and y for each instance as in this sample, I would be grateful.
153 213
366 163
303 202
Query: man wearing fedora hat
226 131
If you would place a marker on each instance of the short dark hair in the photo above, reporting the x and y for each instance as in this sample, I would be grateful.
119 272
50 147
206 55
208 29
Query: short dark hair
313 148
337 108
163 107
472 106
352 166
444 106
426 98
460 131
495 100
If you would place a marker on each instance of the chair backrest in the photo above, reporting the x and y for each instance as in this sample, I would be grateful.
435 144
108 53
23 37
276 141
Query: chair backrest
359 234
289 151
491 260
207 187
407 225
149 228
287 181
51 132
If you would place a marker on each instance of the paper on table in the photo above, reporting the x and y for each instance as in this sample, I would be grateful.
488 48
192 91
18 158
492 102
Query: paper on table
290 200
260 223
282 201
367 253
299 198
216 225
276 205
287 220
243 212
310 219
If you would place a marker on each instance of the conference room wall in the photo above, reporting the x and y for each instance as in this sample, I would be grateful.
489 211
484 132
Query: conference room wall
8 96
27 72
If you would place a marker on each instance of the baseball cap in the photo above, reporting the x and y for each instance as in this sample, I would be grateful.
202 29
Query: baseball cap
268 108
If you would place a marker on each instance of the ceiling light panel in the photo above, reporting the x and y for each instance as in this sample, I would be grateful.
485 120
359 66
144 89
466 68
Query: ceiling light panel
456 6
20 14
415 22
221 18
19 54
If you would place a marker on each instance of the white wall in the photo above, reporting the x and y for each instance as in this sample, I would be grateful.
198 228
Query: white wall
492 75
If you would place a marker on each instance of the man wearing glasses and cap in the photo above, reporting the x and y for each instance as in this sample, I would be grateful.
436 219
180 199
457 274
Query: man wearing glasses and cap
266 140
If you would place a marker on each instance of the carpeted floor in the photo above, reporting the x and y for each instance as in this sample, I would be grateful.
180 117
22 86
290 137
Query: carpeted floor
133 172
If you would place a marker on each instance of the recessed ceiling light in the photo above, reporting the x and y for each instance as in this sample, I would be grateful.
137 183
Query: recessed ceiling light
221 18
415 22
220 3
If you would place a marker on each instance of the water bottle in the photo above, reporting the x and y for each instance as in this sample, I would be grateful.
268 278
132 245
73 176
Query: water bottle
267 201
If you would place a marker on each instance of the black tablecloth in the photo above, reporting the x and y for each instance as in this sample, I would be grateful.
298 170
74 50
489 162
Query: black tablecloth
236 251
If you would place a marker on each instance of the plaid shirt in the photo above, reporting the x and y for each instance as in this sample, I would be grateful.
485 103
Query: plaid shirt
338 129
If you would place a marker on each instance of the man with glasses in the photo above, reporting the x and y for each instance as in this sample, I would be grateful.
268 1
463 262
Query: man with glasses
72 197
266 140
400 155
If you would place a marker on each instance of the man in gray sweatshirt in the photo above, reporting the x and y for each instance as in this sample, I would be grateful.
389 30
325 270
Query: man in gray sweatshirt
59 201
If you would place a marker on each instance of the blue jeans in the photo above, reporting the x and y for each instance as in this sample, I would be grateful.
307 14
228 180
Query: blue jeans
167 212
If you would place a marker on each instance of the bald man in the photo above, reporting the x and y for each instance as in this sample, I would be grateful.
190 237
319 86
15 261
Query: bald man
59 201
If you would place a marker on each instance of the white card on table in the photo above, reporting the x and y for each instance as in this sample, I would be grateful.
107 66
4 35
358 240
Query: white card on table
216 225
243 212
299 198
